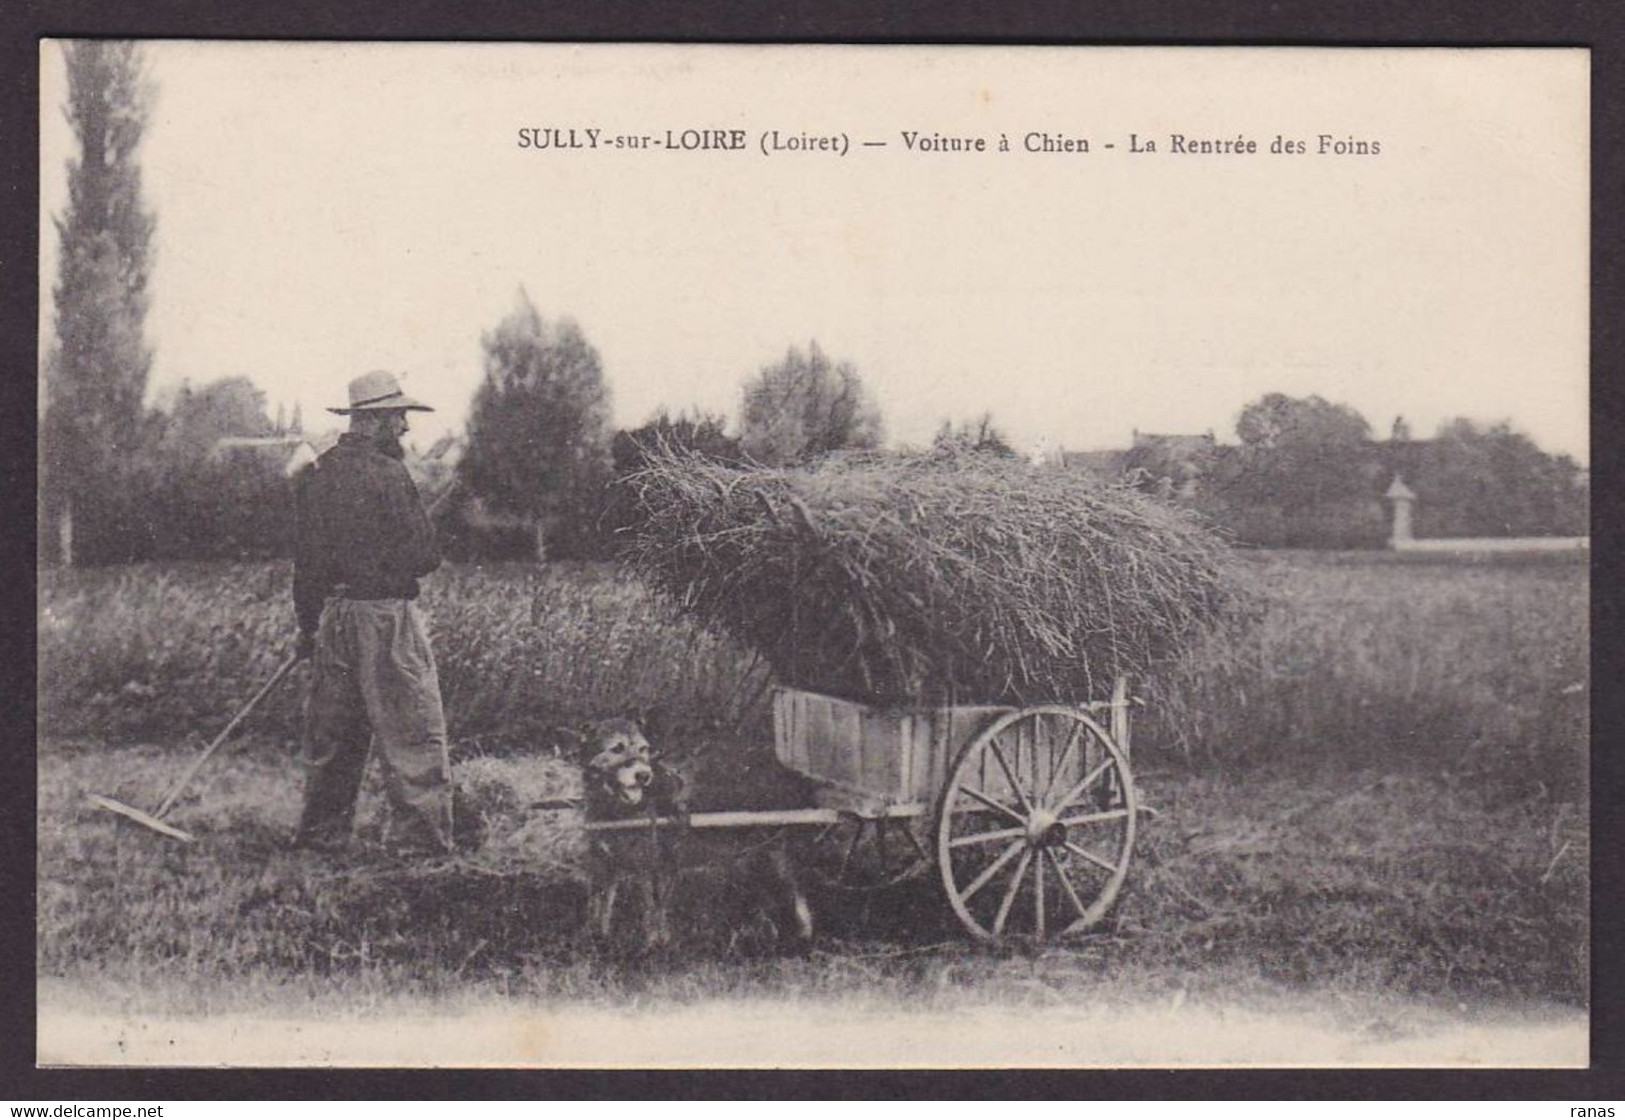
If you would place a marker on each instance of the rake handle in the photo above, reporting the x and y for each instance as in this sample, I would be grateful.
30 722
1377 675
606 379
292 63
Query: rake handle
440 498
191 772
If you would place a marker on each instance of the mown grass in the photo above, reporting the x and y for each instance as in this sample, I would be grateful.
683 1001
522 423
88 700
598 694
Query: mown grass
1380 790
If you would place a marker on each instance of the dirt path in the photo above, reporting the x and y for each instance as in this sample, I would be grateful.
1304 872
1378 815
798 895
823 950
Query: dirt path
818 1034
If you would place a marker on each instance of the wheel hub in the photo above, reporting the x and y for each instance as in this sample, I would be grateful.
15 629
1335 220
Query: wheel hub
1045 830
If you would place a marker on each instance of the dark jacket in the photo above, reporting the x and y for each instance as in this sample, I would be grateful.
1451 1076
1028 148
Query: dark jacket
360 529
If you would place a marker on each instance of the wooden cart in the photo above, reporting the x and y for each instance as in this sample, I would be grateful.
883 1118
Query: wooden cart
1027 814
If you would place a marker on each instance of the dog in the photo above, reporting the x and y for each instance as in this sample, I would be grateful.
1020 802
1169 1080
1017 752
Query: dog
625 779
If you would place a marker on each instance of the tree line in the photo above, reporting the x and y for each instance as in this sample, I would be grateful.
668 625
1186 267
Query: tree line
1308 473
122 481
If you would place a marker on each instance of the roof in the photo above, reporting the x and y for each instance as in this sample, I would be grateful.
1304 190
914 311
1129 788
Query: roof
448 449
1182 442
291 451
1107 463
233 443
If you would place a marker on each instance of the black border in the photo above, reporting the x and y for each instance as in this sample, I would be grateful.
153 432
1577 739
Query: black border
1500 23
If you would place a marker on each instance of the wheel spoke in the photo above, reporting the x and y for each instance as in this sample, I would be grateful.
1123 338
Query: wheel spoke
1027 748
1010 892
1009 775
1095 818
1091 857
1058 765
1066 884
987 837
1069 802
1038 892
1089 779
992 869
994 805
880 843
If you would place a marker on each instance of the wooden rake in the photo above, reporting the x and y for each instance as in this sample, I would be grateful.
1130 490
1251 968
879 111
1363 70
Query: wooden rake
155 819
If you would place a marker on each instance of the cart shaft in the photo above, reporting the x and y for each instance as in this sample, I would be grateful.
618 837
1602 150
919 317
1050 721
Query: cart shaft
745 818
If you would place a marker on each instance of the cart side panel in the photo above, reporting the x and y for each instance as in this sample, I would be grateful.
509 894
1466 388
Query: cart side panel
886 748
828 726
955 727
802 731
898 754
843 743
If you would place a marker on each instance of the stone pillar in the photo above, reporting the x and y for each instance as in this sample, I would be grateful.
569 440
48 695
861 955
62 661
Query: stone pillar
1403 497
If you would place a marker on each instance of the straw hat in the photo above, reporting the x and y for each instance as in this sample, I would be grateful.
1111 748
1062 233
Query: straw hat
378 390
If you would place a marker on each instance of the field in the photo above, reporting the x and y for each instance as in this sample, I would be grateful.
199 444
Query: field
1376 797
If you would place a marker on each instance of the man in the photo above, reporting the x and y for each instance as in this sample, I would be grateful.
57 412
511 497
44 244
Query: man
363 542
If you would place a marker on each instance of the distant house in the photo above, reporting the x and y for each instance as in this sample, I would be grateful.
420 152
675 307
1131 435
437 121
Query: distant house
431 469
287 453
1177 446
435 469
1105 465
1178 460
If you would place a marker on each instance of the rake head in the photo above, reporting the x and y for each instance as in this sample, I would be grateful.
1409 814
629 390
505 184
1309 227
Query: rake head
139 817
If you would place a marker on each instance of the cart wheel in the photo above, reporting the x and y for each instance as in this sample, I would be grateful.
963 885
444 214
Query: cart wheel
1036 825
859 853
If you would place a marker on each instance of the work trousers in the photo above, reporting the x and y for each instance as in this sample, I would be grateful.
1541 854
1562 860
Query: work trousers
375 684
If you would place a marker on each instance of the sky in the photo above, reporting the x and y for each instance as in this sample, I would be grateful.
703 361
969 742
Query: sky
327 209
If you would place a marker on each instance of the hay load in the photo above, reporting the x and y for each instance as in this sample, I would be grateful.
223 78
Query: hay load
942 578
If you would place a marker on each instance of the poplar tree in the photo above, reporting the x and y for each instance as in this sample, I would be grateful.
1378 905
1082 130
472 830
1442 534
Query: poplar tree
98 361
